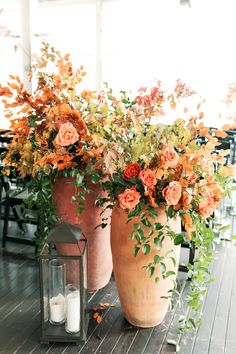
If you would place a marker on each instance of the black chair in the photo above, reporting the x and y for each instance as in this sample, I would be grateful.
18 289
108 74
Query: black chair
191 249
232 138
13 193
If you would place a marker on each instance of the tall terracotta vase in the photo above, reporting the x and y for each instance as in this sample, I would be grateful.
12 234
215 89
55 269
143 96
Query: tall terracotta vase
140 296
99 251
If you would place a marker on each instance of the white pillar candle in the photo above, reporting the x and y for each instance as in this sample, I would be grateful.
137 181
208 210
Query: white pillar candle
45 307
73 312
57 309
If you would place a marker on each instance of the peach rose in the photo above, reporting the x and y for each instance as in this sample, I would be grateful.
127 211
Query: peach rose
67 135
211 200
132 170
227 171
129 198
148 178
169 157
205 209
172 193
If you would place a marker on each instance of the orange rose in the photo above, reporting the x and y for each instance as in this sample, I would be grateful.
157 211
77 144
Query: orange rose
129 198
67 135
192 178
188 225
172 193
169 157
186 200
132 170
148 178
211 200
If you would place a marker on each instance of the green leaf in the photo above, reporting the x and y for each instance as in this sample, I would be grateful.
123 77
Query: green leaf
151 232
191 320
136 250
173 260
79 179
224 228
181 318
158 243
95 178
80 210
168 253
158 226
157 259
32 122
140 233
211 280
171 212
151 270
179 239
146 222
134 212
81 195
146 248
152 211
169 273
157 279
132 235
73 199
162 267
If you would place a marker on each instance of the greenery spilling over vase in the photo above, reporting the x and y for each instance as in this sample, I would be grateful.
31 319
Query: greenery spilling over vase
58 130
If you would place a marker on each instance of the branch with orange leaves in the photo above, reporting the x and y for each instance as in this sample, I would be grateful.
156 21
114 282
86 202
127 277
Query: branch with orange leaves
99 310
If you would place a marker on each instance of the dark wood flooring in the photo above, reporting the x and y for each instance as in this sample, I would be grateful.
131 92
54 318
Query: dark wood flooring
20 313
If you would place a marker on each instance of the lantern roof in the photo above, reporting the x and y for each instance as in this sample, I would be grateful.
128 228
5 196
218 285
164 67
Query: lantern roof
65 233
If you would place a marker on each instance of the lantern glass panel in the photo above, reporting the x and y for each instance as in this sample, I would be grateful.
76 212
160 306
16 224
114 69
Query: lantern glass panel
45 289
63 288
57 282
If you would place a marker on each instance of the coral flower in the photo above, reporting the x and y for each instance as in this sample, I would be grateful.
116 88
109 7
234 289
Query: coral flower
172 193
129 198
67 135
148 178
169 157
132 170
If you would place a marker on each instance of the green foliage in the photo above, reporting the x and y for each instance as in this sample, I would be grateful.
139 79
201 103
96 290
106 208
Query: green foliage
40 197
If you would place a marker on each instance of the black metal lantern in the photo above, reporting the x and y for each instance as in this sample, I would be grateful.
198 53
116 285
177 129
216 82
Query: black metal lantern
63 286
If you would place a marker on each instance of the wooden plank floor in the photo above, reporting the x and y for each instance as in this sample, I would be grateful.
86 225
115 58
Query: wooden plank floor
20 315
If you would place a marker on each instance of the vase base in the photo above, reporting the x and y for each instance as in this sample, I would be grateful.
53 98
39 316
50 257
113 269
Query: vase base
100 285
144 324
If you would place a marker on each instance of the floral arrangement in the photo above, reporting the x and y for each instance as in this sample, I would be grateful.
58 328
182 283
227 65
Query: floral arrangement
49 134
59 130
175 166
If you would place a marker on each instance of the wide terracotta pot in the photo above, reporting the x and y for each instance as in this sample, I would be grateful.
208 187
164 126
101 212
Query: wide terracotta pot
99 250
140 297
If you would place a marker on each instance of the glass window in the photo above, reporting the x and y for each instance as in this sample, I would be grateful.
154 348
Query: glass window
71 28
10 39
156 39
11 60
141 41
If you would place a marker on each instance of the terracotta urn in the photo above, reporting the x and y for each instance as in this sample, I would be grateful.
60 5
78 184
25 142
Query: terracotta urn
99 250
140 297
